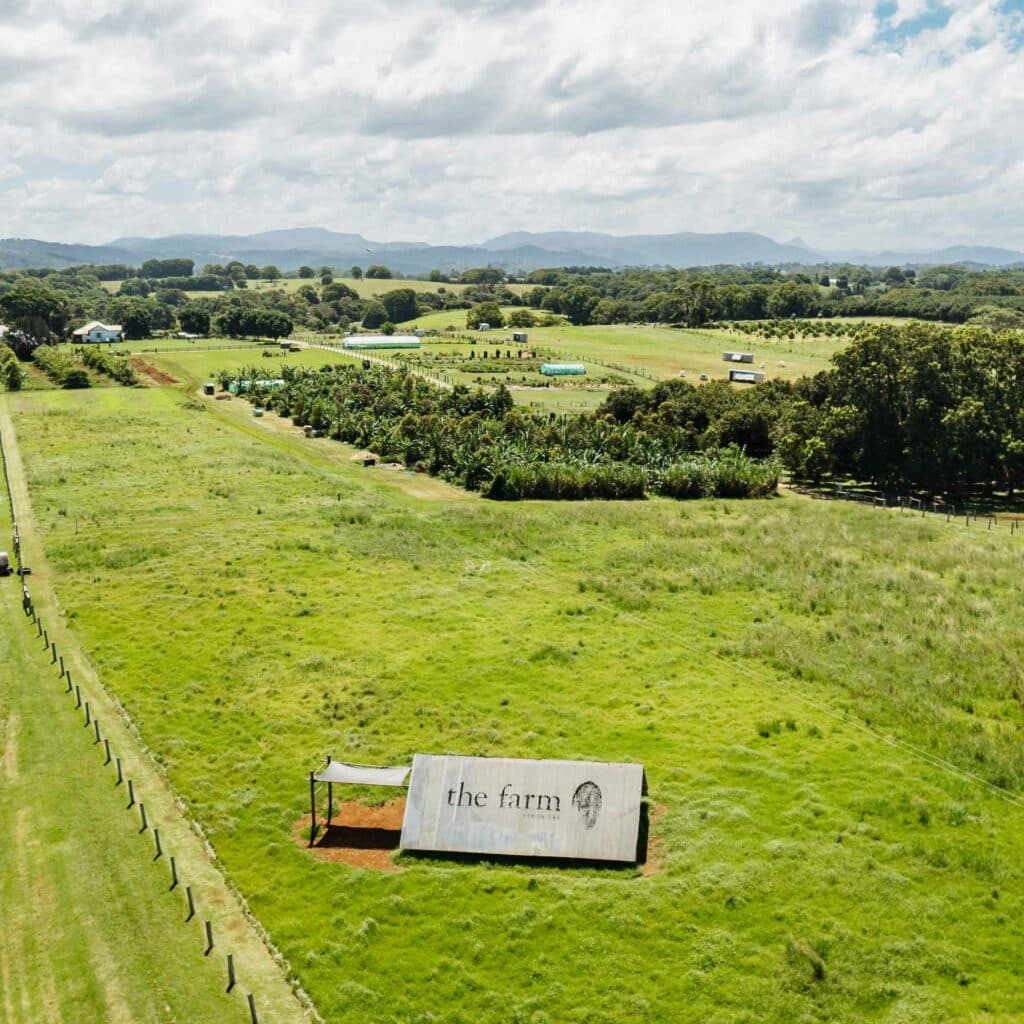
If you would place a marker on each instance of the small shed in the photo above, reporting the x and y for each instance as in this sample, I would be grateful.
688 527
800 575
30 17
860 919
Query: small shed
563 369
746 376
95 331
738 357
208 388
519 336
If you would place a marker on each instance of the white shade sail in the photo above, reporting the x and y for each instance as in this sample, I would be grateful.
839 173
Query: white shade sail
362 775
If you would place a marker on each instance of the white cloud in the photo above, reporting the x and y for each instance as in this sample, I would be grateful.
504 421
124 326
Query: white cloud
454 120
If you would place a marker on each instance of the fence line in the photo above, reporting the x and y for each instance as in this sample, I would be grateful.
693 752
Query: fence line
30 612
908 503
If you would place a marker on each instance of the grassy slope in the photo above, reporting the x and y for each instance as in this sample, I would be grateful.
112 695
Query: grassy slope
88 931
257 603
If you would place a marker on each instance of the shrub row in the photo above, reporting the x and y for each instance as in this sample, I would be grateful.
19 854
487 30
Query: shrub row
11 373
479 440
60 367
111 366
558 481
731 474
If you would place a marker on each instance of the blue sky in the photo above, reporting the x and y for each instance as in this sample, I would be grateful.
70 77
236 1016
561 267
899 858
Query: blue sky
888 125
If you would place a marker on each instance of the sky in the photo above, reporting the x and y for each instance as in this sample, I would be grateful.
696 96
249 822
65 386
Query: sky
896 124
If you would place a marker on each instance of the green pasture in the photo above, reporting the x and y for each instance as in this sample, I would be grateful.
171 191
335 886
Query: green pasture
258 601
88 929
197 367
662 351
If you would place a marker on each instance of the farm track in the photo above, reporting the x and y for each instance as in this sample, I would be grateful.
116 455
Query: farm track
259 970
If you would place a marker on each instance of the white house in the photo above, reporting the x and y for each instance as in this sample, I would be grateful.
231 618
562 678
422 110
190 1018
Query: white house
95 331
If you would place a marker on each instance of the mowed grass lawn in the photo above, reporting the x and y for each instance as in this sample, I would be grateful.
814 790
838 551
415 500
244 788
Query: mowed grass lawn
257 603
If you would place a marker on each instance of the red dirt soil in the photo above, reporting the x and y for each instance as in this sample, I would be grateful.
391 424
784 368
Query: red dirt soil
150 371
366 837
362 837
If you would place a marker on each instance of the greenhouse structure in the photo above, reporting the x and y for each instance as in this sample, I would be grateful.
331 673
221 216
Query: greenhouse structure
563 369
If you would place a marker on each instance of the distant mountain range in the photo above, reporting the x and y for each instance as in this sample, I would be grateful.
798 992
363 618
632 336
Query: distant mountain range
517 251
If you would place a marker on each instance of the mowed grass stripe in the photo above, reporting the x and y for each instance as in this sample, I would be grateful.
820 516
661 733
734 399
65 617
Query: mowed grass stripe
89 931
121 908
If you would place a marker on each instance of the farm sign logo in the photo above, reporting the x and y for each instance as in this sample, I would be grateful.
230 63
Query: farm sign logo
574 809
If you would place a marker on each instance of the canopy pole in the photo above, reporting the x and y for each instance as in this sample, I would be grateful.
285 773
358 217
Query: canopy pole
330 796
330 802
312 808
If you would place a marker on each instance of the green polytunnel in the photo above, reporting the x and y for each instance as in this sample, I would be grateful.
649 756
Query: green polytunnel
563 369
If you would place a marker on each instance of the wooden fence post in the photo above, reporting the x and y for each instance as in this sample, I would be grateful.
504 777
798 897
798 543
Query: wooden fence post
142 814
231 971
174 875
156 839
88 718
191 903
106 747
252 1010
209 938
131 795
120 777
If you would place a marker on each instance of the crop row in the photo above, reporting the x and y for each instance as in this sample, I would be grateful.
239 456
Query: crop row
116 368
480 441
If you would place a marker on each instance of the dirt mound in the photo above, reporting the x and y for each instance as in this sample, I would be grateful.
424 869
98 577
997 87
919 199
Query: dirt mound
150 371
363 837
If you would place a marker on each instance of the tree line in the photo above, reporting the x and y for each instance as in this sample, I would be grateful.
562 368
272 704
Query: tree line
480 440
43 305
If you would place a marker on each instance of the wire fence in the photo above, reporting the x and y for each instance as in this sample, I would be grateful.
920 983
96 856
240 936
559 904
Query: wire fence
110 757
1010 523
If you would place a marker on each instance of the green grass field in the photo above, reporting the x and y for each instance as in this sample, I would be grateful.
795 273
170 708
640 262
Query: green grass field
258 601
663 351
90 930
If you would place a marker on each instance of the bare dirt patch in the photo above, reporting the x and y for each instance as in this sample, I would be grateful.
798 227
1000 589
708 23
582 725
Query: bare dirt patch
362 837
152 373
655 863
